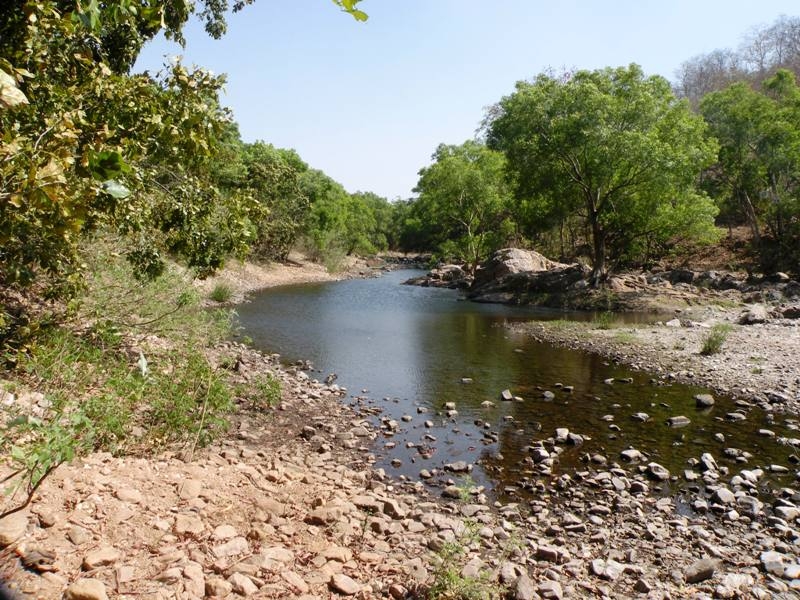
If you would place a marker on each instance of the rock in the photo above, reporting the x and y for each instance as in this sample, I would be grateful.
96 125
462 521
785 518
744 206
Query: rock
100 558
640 416
237 545
724 496
128 495
86 589
552 554
704 400
708 463
452 491
78 535
223 532
170 576
394 509
242 584
562 435
188 525
294 580
510 261
506 395
548 395
337 553
550 590
216 587
12 528
458 467
190 489
700 570
607 569
194 581
656 471
523 588
755 314
631 455
642 586
773 562
344 585
673 323
678 421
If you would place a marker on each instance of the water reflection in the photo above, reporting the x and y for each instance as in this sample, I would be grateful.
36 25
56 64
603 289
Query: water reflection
414 345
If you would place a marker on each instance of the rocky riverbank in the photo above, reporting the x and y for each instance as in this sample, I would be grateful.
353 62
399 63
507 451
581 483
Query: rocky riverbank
525 277
759 359
290 505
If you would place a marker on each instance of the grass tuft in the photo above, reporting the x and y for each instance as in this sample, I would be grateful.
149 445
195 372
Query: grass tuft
714 340
221 293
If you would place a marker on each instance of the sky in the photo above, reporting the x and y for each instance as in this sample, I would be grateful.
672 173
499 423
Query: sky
368 103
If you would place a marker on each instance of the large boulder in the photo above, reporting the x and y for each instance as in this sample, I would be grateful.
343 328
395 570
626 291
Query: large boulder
510 261
516 276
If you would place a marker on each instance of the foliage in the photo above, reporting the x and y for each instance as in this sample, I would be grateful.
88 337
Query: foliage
613 146
715 339
103 381
448 581
262 392
221 293
757 176
272 177
464 196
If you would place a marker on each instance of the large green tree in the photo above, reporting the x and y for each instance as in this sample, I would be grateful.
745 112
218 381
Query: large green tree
612 145
465 193
757 176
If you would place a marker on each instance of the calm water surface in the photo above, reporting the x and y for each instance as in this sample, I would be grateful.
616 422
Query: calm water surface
410 347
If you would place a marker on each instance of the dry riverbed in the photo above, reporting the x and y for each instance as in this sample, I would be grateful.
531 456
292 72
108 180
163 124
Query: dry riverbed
289 505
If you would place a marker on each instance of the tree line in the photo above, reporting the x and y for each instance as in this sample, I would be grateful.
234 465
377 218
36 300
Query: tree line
619 168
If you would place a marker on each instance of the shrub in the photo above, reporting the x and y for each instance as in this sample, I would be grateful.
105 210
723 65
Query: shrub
221 293
715 339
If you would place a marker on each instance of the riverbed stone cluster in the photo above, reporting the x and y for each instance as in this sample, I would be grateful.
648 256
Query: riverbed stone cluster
290 505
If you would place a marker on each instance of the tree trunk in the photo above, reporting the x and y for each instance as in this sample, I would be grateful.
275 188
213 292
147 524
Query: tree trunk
752 220
599 252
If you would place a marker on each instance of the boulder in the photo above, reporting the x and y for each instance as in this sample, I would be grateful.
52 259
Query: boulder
509 261
511 273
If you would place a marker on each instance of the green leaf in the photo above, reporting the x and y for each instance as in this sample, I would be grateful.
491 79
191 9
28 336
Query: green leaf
106 165
115 189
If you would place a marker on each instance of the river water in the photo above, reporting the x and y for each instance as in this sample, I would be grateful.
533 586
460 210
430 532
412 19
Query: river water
410 348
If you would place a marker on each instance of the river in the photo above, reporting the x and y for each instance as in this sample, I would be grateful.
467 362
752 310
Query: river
410 350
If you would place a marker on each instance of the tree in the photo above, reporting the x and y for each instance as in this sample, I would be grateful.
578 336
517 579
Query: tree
611 145
273 177
77 153
465 192
757 176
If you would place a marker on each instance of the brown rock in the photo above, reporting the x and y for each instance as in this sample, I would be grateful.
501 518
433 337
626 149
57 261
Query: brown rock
344 585
86 589
216 587
237 545
100 558
242 584
190 489
294 580
12 528
188 525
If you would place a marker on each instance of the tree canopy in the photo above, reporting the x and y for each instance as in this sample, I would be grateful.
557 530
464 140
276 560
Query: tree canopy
465 196
612 145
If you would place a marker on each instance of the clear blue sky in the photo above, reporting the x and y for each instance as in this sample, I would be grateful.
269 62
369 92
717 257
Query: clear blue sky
369 102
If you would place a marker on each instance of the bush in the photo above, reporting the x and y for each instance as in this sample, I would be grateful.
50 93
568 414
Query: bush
715 339
221 293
